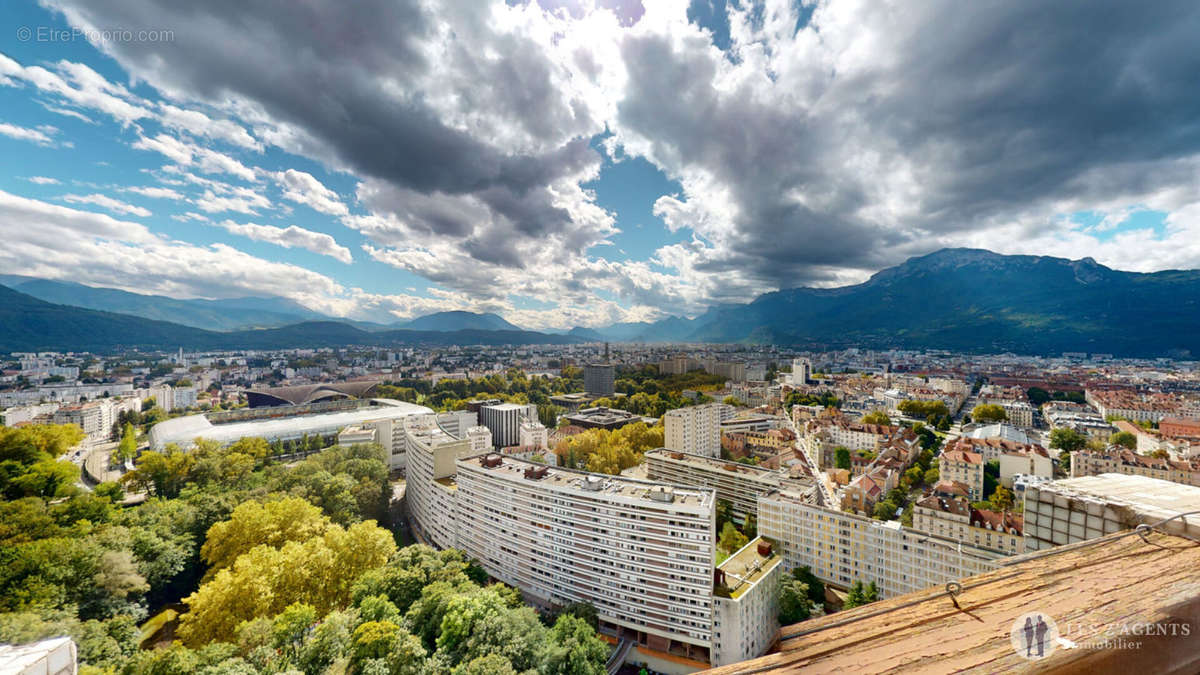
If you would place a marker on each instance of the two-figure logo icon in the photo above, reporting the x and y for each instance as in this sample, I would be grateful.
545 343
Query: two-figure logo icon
1034 635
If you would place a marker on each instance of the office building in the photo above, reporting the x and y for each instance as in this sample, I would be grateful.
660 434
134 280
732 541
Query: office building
598 379
695 430
602 418
533 434
504 421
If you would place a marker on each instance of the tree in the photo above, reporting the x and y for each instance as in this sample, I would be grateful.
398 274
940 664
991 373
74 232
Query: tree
877 417
750 527
923 409
573 648
261 524
1002 499
988 412
1067 440
886 509
127 449
854 597
724 512
870 593
263 581
991 477
794 602
841 458
731 540
1125 439
290 626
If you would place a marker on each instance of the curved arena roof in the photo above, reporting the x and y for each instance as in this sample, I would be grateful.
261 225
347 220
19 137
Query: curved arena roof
307 393
183 431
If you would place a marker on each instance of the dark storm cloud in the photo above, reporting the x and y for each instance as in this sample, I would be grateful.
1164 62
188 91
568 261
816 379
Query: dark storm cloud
355 78
993 107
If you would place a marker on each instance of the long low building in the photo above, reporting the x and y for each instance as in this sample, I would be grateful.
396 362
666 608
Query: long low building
280 426
842 548
739 484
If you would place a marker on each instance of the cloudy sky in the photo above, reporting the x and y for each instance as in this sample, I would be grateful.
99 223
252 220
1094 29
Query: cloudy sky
563 163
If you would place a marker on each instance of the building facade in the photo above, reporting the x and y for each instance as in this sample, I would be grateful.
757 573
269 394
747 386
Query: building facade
598 379
695 430
841 548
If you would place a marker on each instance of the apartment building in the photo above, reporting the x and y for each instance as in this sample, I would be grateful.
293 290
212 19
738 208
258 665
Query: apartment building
842 547
1031 460
533 433
964 467
695 430
1077 509
1138 406
640 552
953 518
1080 418
1118 460
746 602
739 484
430 485
1179 427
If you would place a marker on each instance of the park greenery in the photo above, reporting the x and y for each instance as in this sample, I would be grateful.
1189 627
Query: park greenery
824 399
272 568
877 417
611 452
1038 396
988 412
933 412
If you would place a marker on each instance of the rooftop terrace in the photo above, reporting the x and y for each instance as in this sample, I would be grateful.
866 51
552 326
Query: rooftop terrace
1119 603
591 484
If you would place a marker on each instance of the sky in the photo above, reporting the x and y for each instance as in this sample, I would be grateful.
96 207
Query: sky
568 163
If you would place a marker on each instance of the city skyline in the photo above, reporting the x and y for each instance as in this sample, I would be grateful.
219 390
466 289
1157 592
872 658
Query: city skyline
579 166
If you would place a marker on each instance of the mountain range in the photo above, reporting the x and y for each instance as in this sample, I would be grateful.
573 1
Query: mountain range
958 299
30 324
966 300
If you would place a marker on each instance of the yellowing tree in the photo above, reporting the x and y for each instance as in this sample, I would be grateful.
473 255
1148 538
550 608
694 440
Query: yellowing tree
265 580
253 524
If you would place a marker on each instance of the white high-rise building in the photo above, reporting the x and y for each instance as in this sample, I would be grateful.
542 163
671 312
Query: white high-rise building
504 421
801 370
641 553
695 430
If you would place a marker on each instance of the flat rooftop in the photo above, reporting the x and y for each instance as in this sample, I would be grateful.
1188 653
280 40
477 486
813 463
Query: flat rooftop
703 462
1152 498
1093 591
613 486
746 567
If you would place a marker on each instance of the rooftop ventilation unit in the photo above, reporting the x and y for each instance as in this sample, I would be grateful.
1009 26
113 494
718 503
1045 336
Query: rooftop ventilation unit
491 461
593 483
662 493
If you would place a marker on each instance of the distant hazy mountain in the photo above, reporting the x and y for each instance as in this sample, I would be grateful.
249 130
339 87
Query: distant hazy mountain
458 320
968 300
218 315
30 324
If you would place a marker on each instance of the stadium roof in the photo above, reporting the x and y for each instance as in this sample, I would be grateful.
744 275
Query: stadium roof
183 431
308 393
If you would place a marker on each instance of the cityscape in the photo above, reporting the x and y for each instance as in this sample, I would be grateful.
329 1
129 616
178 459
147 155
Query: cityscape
607 337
